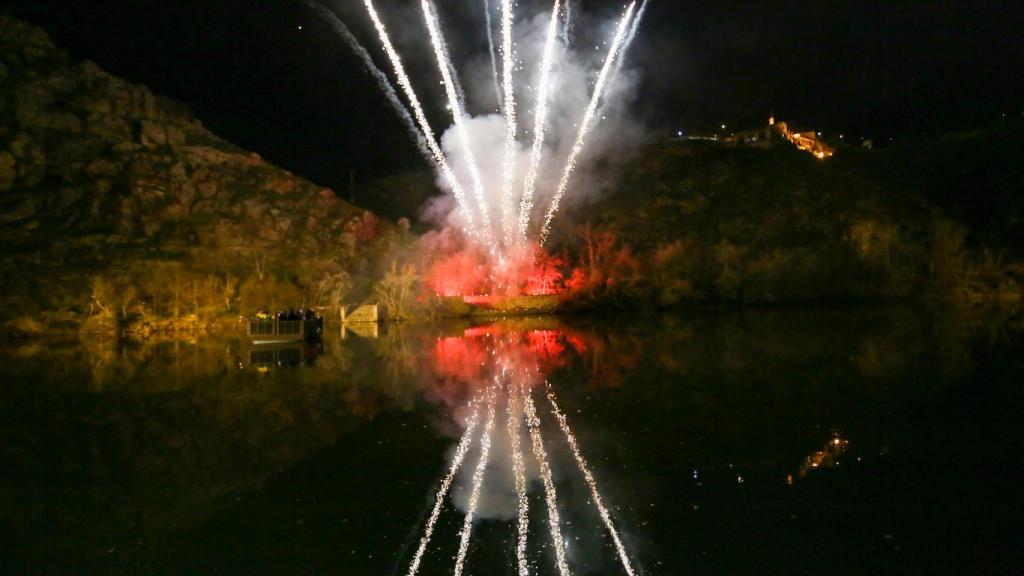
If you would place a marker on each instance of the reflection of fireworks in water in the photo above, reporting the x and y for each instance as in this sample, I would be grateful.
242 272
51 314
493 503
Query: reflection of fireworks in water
515 226
460 454
598 501
514 362
478 480
522 517
533 422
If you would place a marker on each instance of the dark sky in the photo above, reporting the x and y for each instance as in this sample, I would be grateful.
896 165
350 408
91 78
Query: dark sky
879 68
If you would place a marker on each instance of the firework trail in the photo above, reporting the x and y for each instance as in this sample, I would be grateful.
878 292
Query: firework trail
598 502
539 122
490 48
460 454
478 480
533 423
588 118
621 60
378 75
421 117
567 25
523 522
511 128
445 67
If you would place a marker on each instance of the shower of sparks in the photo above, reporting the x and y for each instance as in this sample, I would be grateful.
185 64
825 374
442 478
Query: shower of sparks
458 115
490 49
539 122
518 470
598 501
460 455
585 124
514 226
421 117
533 423
478 480
634 28
508 84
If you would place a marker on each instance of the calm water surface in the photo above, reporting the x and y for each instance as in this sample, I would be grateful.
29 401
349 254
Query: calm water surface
869 441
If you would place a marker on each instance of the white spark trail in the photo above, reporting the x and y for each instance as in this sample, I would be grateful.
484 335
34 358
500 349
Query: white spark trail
634 28
478 480
511 127
533 423
585 124
460 454
518 469
567 25
539 123
490 48
421 118
458 115
378 75
598 501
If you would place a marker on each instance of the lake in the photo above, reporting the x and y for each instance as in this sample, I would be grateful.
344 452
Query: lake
800 441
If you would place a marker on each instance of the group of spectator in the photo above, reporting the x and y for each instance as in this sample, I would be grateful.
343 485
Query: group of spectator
288 314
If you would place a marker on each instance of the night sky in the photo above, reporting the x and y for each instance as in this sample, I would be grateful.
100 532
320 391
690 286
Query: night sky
867 68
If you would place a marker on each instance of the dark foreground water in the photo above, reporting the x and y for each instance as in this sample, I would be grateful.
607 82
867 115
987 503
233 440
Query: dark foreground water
870 441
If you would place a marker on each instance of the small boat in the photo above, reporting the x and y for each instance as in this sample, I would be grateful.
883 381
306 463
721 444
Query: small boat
272 330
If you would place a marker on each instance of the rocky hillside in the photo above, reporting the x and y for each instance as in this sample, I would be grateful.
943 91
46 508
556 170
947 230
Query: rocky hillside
118 202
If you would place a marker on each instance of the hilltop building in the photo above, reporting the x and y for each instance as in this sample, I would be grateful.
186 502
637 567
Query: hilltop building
776 133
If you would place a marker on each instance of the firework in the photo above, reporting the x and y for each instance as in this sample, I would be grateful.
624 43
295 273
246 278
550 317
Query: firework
460 454
539 122
585 124
591 483
378 76
421 117
634 28
508 84
490 49
458 116
478 480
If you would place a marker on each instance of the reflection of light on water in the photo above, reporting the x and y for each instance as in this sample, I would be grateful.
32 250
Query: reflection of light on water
478 481
591 483
549 486
512 362
827 457
460 454
522 516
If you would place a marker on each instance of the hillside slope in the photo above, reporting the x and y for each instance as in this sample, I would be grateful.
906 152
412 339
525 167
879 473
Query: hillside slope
692 222
116 201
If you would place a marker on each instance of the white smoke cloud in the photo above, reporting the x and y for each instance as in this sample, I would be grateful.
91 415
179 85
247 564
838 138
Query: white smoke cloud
573 75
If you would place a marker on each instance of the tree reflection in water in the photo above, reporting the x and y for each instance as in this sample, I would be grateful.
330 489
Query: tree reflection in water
153 450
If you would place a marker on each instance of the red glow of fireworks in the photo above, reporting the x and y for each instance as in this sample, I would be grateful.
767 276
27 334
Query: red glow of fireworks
482 349
546 345
467 274
460 274
459 358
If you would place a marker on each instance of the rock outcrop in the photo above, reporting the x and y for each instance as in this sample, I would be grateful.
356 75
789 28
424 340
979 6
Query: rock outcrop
98 174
